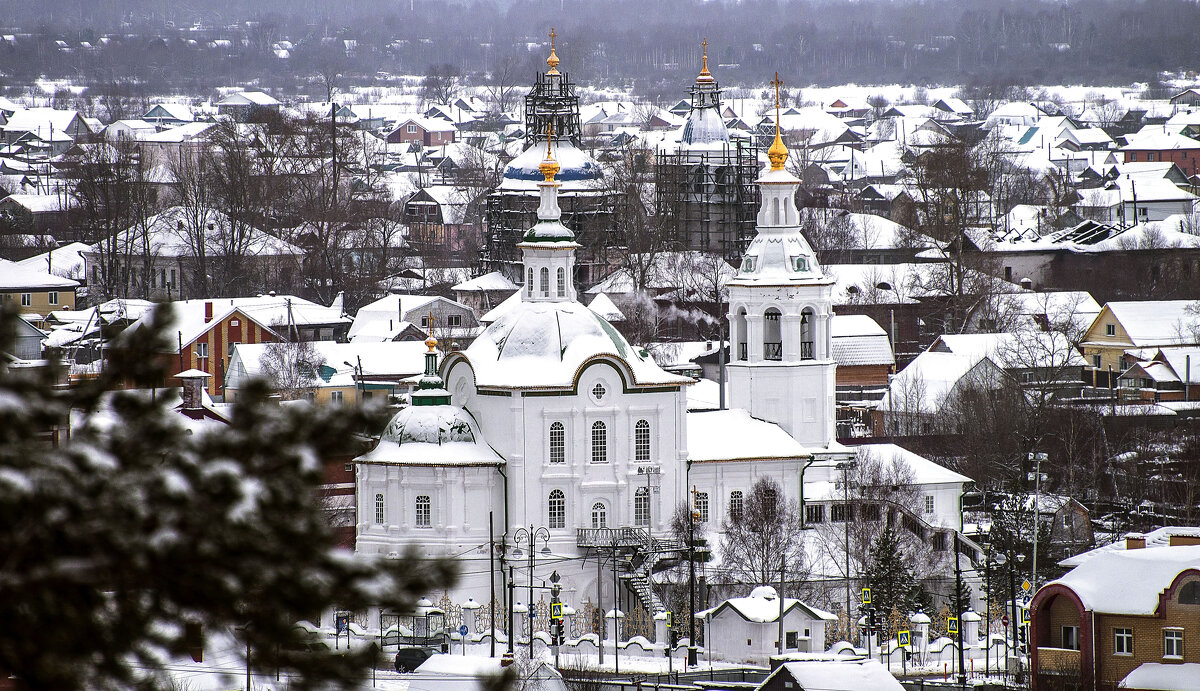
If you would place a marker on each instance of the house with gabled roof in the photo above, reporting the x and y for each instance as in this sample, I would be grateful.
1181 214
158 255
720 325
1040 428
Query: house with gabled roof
755 620
1122 326
240 104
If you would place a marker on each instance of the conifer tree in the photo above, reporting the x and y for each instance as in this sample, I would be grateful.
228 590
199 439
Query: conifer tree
129 542
889 574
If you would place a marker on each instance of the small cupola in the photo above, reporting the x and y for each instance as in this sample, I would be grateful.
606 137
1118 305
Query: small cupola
548 248
431 388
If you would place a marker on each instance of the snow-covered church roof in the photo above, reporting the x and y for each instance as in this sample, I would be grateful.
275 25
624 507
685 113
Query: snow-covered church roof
547 344
432 435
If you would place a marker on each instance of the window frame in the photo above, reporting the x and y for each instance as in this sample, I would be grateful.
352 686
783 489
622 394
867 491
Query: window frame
1122 641
700 502
737 504
929 503
423 511
556 509
52 297
27 299
1070 637
641 507
599 442
641 441
557 440
599 515
380 510
1175 635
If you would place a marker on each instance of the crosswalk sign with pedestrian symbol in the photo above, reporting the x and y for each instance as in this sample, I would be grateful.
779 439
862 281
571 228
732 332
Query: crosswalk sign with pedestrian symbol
670 620
903 638
556 610
952 625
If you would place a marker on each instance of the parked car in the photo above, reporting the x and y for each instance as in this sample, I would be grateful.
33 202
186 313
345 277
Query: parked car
409 659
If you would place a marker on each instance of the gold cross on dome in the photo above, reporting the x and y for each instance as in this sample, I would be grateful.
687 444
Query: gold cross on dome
777 82
549 140
704 45
552 37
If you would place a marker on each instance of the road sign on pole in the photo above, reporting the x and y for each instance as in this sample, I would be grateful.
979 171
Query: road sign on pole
903 638
1026 585
951 624
556 610
866 596
670 620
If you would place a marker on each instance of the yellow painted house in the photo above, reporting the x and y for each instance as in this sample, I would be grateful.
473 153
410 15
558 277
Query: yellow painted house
34 292
1125 326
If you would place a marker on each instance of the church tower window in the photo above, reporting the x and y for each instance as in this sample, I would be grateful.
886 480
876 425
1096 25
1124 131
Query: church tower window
424 512
641 507
599 516
562 282
772 339
641 441
806 335
558 443
545 282
556 509
379 513
529 284
599 442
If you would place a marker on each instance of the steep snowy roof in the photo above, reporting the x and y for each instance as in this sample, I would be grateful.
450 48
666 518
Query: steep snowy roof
604 306
1129 581
858 340
388 359
170 235
923 386
704 130
762 606
268 311
924 471
728 435
546 345
1154 322
66 261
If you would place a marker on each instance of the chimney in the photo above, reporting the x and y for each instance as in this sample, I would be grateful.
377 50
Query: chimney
1134 541
207 312
193 392
1182 540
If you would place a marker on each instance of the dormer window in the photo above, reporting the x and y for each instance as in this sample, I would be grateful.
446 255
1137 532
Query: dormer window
748 264
800 264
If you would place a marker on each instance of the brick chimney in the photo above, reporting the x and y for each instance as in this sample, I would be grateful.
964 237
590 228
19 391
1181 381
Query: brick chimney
193 392
207 311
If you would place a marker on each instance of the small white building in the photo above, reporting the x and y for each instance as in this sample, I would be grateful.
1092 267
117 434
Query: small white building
755 620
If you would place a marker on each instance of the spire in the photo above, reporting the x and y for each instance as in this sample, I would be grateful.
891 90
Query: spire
548 228
431 389
705 76
552 61
549 167
778 153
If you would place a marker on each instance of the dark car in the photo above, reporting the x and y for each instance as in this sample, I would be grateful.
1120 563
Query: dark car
409 659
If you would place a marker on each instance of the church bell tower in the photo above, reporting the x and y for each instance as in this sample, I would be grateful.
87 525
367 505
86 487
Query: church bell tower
780 304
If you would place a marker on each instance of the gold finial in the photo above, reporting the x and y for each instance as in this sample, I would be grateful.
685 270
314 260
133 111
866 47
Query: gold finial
778 153
705 75
431 342
552 61
549 166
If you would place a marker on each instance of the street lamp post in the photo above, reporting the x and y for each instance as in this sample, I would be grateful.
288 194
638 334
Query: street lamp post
968 497
691 654
845 467
530 536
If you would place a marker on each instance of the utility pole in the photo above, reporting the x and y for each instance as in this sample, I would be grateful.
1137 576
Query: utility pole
492 582
691 656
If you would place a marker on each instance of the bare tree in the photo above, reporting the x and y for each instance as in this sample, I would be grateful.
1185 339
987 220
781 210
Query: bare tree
761 542
440 84
292 367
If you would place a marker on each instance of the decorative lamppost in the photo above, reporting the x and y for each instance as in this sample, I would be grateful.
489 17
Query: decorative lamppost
530 536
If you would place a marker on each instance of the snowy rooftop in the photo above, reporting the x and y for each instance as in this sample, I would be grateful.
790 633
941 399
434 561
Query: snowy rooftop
490 281
840 675
762 606
727 435
1154 322
432 435
14 276
1129 582
1161 675
578 170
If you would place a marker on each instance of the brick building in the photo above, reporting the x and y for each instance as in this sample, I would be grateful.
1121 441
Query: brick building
1125 611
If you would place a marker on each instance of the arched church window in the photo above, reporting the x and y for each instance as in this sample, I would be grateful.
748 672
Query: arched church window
424 511
1189 594
641 507
599 516
545 282
599 442
807 320
529 283
556 509
736 504
562 282
641 441
772 337
741 334
379 513
558 443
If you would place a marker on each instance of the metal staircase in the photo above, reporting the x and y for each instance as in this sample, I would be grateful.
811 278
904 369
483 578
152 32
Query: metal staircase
647 553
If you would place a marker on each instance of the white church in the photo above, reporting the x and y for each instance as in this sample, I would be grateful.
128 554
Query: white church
551 419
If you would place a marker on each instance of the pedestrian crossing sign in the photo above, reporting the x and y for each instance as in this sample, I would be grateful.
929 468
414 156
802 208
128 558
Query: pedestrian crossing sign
1024 615
556 610
951 624
670 620
903 638
866 596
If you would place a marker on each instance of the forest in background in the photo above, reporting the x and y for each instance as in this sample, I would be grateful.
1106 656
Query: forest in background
196 45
